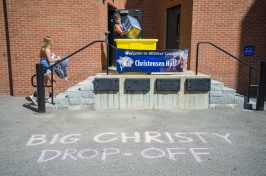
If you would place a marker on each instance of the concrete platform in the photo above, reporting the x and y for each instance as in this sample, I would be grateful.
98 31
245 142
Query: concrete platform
84 95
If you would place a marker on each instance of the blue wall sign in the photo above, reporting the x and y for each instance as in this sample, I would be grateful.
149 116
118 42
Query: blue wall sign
151 60
249 51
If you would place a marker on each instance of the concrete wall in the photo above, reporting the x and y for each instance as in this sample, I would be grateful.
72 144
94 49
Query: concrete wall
151 99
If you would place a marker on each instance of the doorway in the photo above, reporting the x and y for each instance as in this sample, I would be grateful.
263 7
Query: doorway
173 27
136 13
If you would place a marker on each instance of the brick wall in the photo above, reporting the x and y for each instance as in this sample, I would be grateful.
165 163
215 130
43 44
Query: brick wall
71 24
230 24
4 82
253 32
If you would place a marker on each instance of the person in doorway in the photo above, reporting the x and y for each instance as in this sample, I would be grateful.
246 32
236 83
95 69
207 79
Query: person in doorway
119 28
46 57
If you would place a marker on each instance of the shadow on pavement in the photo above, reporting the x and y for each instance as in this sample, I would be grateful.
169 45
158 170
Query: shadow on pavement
30 106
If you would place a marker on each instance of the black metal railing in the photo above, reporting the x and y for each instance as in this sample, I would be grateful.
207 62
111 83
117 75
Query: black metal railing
250 67
61 60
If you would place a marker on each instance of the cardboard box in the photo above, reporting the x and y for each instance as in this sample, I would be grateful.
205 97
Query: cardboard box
133 25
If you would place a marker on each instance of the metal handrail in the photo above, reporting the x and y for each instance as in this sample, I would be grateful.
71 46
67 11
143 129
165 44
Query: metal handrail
61 60
250 67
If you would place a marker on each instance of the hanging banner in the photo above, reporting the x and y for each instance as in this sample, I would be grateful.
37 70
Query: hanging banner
151 60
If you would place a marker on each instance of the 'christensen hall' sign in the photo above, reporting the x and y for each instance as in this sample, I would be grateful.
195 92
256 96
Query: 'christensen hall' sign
151 60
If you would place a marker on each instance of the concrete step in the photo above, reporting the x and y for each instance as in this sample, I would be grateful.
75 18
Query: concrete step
239 99
74 92
226 106
86 85
50 106
216 85
224 97
61 99
77 97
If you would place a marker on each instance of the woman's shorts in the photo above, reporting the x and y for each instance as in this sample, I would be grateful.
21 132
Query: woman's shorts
47 72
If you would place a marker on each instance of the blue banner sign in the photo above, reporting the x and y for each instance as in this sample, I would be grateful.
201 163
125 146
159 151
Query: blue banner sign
249 51
151 60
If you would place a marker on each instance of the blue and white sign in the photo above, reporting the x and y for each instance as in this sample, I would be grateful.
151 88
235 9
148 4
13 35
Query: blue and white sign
151 60
249 51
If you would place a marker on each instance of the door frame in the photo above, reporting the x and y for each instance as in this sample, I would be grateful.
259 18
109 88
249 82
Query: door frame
166 36
123 12
110 10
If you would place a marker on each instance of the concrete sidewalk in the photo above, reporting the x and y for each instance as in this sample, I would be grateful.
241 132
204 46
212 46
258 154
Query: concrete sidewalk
143 142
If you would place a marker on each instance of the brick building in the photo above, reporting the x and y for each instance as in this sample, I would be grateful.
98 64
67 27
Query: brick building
230 24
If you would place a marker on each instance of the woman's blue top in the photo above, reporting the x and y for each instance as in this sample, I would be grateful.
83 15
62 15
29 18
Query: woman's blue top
117 35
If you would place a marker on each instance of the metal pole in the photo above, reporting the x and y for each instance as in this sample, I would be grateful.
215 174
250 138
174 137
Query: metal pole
197 55
107 60
40 88
52 84
261 87
249 77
